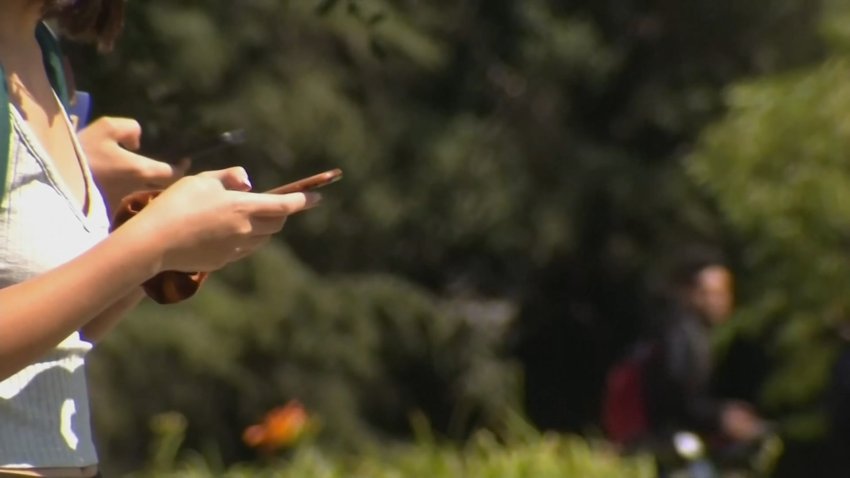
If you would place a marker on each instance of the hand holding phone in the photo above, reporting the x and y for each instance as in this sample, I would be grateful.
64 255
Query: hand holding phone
170 287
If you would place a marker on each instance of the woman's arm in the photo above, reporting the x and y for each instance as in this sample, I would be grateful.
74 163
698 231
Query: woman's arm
109 144
41 312
197 224
96 329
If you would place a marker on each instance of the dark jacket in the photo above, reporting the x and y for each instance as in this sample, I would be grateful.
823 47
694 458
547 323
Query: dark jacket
838 411
679 376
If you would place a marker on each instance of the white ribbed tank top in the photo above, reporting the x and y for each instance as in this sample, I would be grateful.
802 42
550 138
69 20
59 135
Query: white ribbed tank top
44 408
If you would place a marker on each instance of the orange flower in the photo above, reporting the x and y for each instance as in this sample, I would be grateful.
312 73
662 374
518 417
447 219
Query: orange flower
281 428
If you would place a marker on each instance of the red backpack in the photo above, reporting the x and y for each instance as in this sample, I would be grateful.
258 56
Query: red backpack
625 417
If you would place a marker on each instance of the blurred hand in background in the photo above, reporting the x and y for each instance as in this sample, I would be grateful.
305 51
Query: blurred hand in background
110 144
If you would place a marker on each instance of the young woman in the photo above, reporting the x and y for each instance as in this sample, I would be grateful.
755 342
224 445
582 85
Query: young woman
64 281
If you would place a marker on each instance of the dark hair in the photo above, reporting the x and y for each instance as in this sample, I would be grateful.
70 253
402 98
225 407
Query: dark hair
91 21
690 262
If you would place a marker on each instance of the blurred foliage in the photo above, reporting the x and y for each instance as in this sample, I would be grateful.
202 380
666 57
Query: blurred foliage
476 144
517 175
526 454
777 166
363 352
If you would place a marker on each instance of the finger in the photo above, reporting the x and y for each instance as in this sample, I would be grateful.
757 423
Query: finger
267 225
182 166
154 173
157 173
125 131
276 205
235 178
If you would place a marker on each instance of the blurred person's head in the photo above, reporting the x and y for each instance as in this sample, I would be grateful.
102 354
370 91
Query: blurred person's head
90 21
703 284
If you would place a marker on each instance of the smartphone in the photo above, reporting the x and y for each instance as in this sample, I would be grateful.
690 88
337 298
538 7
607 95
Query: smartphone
208 146
307 184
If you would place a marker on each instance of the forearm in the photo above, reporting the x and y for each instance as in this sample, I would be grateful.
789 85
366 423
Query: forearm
39 313
97 328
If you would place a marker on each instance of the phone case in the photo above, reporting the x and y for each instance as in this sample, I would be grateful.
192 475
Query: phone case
168 287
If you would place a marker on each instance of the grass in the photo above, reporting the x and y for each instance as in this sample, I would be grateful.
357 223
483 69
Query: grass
525 454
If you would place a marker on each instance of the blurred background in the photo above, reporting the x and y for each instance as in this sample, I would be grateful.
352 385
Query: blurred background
517 174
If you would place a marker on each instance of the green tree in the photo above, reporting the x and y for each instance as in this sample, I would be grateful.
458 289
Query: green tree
776 167
527 152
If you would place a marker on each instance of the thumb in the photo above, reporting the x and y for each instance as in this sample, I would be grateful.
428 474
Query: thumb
157 173
125 131
181 167
235 178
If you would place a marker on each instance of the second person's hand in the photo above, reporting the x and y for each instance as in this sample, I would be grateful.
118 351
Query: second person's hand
740 422
109 144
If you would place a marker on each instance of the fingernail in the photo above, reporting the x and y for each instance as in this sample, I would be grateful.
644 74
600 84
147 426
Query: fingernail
243 178
313 200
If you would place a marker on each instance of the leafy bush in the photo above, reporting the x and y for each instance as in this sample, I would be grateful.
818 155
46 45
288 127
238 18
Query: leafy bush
527 454
363 352
777 168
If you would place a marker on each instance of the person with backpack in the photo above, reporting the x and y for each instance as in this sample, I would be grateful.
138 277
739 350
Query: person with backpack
678 376
64 279
662 388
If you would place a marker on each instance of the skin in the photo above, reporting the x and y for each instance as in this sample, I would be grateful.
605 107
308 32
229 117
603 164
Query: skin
712 294
109 144
200 223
